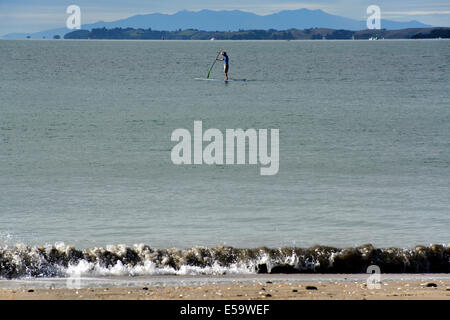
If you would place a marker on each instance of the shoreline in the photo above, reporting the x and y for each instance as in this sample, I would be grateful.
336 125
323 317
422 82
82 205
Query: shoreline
233 287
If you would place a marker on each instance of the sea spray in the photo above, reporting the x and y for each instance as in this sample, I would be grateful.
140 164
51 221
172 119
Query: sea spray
62 260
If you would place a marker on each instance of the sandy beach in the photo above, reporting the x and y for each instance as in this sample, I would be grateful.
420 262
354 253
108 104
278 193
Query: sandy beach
255 289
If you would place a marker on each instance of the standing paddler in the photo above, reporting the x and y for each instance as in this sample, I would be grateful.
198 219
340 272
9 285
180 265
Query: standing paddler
226 62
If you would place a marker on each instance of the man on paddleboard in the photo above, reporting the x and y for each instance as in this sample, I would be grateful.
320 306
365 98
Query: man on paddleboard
226 65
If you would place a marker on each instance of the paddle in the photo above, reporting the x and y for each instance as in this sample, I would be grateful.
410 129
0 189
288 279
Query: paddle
209 72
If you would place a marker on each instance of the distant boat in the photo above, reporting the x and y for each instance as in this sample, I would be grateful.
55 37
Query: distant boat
212 39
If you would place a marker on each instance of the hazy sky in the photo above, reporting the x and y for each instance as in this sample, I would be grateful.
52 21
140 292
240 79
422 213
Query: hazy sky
37 15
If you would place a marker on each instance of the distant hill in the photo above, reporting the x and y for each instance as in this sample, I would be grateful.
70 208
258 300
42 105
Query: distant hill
231 21
291 34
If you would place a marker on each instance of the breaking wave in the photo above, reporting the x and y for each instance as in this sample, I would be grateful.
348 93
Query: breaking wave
62 260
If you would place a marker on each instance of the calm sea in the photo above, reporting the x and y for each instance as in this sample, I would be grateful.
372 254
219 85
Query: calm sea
85 145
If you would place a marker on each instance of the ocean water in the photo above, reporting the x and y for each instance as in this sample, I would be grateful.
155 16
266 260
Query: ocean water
85 145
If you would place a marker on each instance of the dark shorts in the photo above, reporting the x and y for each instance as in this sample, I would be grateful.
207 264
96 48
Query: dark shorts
226 67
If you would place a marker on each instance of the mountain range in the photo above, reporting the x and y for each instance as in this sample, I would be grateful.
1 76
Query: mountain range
230 21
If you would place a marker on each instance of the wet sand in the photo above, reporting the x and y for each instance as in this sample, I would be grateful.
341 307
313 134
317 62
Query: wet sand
256 289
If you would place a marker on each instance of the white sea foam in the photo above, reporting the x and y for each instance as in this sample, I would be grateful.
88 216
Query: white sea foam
61 260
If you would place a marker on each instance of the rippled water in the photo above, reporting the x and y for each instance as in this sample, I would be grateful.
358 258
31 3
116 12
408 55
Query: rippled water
85 144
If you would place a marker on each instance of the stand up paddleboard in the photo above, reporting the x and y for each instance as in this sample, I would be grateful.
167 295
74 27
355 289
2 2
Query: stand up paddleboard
230 80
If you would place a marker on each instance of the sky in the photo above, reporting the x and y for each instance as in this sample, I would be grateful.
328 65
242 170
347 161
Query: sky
28 16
